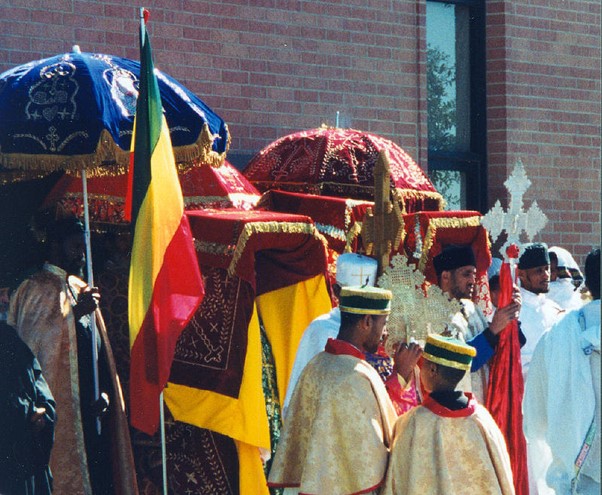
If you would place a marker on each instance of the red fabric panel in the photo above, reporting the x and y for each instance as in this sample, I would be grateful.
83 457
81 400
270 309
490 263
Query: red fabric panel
283 258
506 387
476 236
333 216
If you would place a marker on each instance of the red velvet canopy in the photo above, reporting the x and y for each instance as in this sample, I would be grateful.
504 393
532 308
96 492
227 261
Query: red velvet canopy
340 162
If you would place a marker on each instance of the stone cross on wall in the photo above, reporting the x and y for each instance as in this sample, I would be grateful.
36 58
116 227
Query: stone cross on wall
382 227
514 221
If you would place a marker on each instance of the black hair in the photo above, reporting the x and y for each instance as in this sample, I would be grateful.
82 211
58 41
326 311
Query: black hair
452 376
494 282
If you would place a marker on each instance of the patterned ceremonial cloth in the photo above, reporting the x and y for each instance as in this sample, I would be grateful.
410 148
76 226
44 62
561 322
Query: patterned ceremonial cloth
437 451
256 265
200 461
203 187
336 436
340 162
337 219
439 229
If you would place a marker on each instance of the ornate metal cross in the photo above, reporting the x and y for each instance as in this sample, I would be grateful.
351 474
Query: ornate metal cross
382 227
514 221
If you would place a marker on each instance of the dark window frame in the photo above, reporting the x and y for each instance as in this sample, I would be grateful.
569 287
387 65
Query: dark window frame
474 162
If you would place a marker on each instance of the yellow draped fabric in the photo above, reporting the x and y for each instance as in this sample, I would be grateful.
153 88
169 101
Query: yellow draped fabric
285 314
436 455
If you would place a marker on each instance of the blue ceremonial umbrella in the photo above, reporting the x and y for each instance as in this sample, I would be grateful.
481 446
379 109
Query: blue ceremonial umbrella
76 111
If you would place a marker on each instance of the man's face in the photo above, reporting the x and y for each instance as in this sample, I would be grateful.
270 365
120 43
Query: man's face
73 254
462 282
378 328
536 280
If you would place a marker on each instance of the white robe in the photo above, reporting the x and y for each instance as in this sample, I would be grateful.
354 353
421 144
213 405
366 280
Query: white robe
563 292
312 342
562 397
468 324
537 315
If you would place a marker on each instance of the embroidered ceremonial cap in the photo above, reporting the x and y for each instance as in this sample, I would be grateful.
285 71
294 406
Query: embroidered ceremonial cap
356 269
365 300
534 255
453 257
448 351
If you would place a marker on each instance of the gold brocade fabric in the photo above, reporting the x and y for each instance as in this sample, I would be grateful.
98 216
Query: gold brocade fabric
40 310
336 435
436 455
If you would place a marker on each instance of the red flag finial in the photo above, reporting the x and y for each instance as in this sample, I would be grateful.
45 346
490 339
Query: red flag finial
146 15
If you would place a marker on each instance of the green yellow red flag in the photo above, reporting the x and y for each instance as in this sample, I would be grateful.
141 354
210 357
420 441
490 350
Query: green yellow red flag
165 285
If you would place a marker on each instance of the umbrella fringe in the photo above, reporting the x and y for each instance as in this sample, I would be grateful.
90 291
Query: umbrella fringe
109 158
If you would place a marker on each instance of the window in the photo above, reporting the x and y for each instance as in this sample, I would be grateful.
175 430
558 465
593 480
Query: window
456 101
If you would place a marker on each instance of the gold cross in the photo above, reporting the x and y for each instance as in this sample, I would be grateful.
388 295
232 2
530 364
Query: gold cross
382 227
363 279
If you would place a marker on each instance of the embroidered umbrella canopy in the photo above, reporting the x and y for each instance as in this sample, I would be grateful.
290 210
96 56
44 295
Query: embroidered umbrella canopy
203 187
75 111
340 162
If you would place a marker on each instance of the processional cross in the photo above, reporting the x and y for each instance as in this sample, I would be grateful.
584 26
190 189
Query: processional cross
382 228
514 221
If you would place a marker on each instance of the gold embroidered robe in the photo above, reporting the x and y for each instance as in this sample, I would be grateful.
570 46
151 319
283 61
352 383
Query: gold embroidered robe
41 311
336 435
435 453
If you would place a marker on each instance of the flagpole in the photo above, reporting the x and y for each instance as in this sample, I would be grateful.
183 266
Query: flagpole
88 243
163 445
161 411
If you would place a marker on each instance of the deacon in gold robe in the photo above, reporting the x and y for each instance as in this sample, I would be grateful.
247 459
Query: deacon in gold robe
52 312
450 445
336 434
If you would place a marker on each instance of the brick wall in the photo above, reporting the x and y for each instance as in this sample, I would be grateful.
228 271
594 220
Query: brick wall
543 83
267 67
270 67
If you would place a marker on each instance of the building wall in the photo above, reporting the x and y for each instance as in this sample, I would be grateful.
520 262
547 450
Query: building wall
543 87
271 67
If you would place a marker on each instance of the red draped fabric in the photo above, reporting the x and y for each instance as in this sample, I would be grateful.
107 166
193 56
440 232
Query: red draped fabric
506 387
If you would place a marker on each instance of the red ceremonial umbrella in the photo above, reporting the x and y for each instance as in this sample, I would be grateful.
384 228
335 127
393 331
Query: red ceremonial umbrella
203 186
340 162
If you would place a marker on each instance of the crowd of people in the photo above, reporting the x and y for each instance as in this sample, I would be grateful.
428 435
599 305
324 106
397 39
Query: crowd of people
427 431
355 420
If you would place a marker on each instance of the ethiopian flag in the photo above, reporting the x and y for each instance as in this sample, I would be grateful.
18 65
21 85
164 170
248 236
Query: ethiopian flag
165 285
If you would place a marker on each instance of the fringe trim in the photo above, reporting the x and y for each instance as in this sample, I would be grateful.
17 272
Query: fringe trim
110 159
449 223
254 228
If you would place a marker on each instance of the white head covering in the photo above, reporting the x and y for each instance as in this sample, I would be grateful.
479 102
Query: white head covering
356 269
564 258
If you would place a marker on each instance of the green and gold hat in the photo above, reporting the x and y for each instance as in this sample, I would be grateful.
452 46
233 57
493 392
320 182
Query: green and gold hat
365 300
448 351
